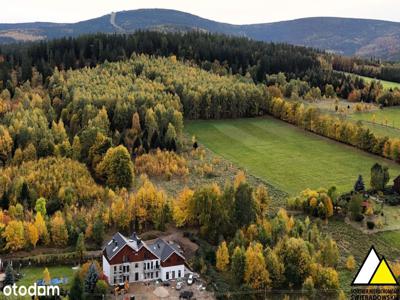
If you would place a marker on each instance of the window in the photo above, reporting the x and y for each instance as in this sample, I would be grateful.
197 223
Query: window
157 264
127 268
124 258
151 265
167 275
136 276
179 274
173 274
157 274
151 274
136 265
144 266
148 265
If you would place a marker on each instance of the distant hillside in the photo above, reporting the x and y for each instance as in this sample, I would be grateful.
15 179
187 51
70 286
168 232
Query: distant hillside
359 37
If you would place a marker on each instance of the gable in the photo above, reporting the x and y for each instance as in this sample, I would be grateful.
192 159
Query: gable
131 255
173 260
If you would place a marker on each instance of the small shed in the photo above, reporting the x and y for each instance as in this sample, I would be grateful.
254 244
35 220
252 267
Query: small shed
396 185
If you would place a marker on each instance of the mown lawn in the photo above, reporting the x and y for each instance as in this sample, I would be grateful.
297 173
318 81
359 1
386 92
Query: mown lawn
286 156
32 274
390 114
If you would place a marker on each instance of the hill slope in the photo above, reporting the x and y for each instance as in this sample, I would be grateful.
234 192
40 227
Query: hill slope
346 36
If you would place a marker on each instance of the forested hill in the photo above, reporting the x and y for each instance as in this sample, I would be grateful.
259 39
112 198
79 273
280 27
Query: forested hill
367 38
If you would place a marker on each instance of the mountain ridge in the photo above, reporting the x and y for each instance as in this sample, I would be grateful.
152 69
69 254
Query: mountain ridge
347 36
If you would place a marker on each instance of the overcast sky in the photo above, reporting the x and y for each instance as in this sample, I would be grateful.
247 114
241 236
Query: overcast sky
232 11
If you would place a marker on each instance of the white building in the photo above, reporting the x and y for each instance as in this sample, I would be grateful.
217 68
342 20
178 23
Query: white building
133 260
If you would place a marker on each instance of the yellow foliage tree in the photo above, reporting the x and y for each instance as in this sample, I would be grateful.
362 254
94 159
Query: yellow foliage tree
181 211
32 233
40 224
59 233
222 256
239 178
256 274
46 277
14 235
350 263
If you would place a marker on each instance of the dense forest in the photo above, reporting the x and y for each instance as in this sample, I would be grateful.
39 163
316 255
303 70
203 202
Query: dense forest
85 121
370 68
217 53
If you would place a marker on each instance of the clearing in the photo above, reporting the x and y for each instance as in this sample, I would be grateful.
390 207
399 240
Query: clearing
285 156
385 84
32 274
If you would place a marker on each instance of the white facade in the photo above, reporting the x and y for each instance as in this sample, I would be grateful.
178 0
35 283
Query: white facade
168 273
106 268
140 271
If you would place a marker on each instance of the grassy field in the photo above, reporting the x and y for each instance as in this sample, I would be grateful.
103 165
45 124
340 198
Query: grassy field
32 274
386 84
286 156
391 115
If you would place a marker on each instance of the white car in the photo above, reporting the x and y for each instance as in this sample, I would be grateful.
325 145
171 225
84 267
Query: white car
190 279
179 285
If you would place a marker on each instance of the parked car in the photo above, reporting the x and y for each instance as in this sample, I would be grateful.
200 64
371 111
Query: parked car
190 279
179 285
186 295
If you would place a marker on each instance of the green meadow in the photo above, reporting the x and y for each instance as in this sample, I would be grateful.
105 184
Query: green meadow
286 156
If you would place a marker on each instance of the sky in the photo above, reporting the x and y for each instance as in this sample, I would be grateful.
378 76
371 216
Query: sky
232 11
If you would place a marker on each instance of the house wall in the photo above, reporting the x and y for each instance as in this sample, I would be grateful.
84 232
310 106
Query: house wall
143 265
106 268
135 272
173 272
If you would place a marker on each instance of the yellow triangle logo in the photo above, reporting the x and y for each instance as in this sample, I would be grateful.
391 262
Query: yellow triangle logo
383 275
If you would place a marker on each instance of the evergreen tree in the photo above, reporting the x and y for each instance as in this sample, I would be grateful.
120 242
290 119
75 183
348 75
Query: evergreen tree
238 264
80 246
359 185
9 279
76 291
379 177
91 279
98 231
245 209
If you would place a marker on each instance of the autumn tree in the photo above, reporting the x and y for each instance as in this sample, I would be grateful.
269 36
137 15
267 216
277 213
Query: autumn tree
46 277
350 263
40 224
256 274
40 206
222 256
275 267
32 233
14 235
6 144
59 233
296 259
181 209
116 168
